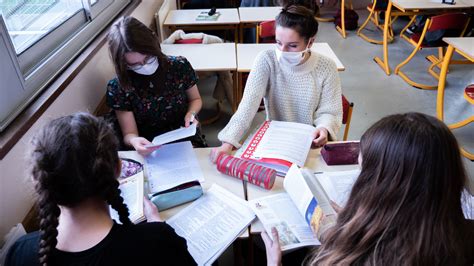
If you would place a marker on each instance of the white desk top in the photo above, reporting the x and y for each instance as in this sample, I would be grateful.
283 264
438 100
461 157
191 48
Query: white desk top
211 176
205 57
258 14
188 17
464 44
314 161
405 5
247 52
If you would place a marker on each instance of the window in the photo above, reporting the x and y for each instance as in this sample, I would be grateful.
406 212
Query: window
38 38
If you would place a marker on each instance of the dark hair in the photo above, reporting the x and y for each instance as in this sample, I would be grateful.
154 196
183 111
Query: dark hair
309 4
74 158
300 19
128 34
405 207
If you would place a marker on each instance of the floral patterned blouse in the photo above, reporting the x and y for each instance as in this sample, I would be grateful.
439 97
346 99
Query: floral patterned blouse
159 102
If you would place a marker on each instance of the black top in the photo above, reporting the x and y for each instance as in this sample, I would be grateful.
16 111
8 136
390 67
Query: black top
151 243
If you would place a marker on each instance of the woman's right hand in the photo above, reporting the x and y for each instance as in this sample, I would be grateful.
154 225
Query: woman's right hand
139 144
272 247
225 148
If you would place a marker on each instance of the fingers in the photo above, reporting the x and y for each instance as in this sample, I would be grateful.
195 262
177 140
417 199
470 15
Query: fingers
151 211
266 239
336 207
276 237
214 154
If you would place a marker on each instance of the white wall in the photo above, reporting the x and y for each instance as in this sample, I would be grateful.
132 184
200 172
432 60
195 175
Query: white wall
83 94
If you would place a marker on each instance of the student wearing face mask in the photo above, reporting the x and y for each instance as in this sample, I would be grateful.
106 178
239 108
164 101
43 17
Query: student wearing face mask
152 93
297 85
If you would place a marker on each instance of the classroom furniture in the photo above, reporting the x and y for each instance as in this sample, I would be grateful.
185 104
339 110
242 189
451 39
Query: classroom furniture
266 32
251 17
315 162
454 23
374 12
342 28
464 47
346 115
209 57
211 176
412 8
185 19
247 52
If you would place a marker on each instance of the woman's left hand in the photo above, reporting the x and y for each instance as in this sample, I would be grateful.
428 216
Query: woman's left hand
190 118
151 211
272 248
320 137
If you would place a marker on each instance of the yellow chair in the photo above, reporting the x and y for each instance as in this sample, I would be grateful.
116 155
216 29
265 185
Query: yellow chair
454 24
374 12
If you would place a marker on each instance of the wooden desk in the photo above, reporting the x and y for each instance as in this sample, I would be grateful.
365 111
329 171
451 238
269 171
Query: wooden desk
211 176
208 57
247 52
250 17
185 19
464 47
314 161
411 8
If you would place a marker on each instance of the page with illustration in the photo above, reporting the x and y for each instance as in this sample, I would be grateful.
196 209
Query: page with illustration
132 193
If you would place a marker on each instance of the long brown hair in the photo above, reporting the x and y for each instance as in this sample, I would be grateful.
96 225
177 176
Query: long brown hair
74 158
128 34
405 207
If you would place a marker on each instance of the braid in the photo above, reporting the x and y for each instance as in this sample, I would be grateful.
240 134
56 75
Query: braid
115 200
48 213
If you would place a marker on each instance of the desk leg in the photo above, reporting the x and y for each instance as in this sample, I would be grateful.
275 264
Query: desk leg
236 33
442 83
384 64
241 33
236 85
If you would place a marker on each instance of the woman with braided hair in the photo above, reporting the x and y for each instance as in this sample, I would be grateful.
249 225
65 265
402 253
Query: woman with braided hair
74 166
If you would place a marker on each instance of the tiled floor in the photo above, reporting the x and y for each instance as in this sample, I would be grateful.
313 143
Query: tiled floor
375 94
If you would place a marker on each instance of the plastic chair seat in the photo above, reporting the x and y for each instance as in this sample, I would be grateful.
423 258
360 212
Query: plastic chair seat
469 93
416 38
188 41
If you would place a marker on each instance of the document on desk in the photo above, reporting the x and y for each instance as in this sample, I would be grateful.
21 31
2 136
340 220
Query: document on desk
172 165
174 135
211 223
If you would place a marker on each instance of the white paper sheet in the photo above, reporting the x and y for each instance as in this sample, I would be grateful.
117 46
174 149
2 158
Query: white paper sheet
132 193
172 165
338 184
287 141
174 135
211 223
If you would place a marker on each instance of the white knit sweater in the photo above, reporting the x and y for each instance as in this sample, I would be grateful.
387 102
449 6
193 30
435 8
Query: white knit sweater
309 93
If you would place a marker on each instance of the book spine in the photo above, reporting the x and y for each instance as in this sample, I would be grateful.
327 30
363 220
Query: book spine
257 137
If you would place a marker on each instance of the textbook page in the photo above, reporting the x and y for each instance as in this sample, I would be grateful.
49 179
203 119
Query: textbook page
172 165
287 141
132 193
211 223
173 135
279 211
338 184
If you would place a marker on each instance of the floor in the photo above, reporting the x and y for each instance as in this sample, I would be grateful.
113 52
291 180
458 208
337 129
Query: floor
375 94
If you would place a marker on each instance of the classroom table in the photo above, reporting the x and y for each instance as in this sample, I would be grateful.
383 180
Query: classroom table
211 176
247 52
185 19
314 161
412 8
250 17
465 47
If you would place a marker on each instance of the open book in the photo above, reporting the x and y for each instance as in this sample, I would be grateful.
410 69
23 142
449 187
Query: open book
131 186
278 145
303 213
211 223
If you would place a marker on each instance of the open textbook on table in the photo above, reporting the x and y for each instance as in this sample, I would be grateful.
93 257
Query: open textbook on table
303 212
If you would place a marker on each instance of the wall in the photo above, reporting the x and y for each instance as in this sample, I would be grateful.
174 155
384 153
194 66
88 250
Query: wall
82 94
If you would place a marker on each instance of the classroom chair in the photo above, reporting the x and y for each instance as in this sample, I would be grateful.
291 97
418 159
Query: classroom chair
375 9
454 25
346 115
265 32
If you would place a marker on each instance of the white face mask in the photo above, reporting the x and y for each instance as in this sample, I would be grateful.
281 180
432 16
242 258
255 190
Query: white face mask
290 58
147 69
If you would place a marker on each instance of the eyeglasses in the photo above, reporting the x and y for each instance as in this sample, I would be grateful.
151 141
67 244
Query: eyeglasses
148 60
